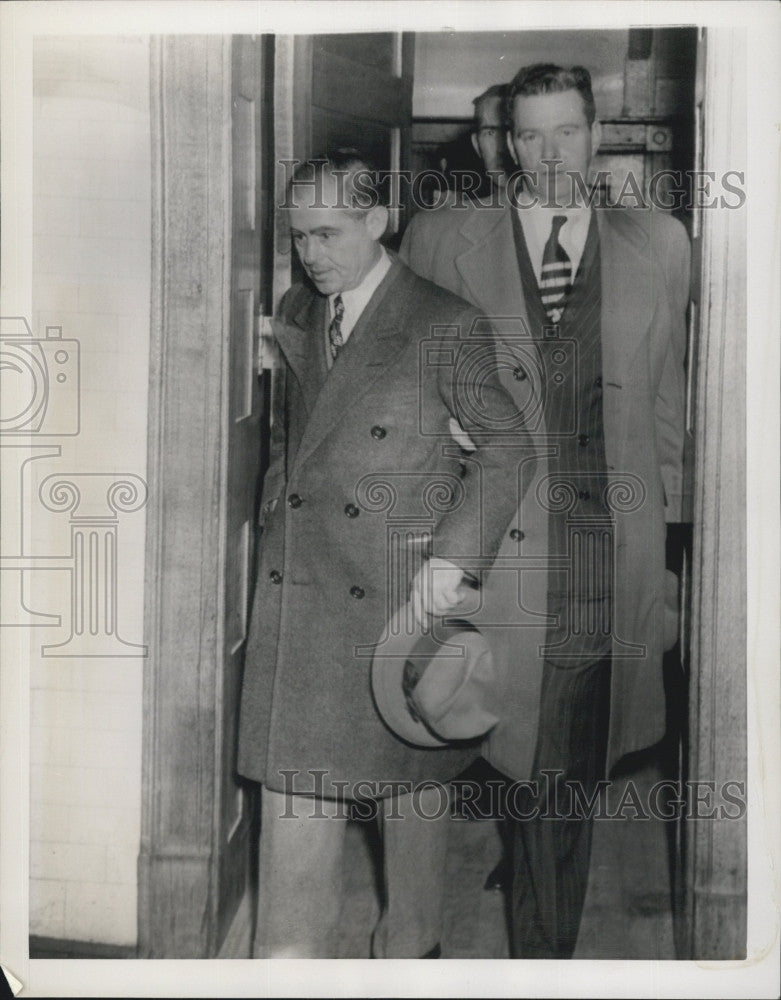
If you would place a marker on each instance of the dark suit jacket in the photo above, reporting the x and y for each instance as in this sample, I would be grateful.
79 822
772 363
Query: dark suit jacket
364 465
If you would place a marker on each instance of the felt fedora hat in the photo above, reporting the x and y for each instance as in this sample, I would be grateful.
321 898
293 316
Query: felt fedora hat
431 686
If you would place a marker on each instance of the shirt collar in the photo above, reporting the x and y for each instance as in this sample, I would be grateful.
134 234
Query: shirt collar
356 299
537 221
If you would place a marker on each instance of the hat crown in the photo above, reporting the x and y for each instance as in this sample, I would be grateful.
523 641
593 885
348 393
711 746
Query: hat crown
432 685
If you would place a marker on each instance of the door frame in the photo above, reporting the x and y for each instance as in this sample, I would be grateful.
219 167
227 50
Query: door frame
715 871
178 901
191 93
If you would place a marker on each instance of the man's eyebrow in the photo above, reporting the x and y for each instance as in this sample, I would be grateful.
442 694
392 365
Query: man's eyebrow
535 128
317 231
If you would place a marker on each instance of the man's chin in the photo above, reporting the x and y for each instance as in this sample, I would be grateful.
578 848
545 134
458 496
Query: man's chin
324 285
562 194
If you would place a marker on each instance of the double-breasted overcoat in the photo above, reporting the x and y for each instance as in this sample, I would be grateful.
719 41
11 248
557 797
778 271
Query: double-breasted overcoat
364 470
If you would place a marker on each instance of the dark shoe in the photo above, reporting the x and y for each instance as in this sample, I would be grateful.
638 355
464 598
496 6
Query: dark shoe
498 878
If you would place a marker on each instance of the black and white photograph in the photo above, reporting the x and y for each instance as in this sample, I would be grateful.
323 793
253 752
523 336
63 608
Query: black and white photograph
389 548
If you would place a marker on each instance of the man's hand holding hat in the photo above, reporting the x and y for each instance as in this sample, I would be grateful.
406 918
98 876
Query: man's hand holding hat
439 587
433 683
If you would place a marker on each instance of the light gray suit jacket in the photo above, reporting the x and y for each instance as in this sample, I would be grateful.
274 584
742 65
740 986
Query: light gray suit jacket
645 261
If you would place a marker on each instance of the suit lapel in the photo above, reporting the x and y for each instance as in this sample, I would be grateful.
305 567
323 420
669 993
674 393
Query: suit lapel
380 334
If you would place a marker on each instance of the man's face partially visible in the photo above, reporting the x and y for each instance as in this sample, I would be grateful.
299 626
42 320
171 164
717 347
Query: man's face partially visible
489 136
553 127
337 246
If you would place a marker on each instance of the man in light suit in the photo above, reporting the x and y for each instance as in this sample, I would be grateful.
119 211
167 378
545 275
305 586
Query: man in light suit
590 306
362 431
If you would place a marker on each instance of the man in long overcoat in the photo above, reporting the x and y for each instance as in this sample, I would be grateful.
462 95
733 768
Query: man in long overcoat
589 307
366 480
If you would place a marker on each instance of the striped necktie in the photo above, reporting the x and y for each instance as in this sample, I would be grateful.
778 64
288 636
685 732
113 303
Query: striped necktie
556 277
335 338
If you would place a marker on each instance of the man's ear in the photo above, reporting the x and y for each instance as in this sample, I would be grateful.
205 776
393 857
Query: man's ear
596 135
377 221
513 154
475 144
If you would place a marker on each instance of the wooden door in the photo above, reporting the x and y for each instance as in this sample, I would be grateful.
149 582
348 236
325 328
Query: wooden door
242 467
209 196
356 90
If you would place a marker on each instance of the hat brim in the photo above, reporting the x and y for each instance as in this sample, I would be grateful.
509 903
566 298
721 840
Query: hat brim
387 672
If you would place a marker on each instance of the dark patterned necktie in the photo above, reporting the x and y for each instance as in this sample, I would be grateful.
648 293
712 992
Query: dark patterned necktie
335 338
556 277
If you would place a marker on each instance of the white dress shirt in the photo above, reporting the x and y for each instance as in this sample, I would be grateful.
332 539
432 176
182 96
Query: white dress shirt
356 299
537 223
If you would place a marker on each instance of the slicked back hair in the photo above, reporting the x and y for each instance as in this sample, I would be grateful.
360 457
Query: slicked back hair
498 90
548 78
356 175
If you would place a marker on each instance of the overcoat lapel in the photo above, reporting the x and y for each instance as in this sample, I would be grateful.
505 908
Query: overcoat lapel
380 334
627 311
489 268
302 341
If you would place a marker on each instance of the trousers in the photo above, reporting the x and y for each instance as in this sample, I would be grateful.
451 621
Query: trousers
300 875
551 850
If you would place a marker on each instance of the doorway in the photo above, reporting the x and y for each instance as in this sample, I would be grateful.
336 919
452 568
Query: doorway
214 279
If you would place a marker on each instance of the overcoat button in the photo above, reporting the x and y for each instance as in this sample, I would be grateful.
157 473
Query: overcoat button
275 576
357 593
294 500
519 373
583 440
517 535
351 510
598 381
584 495
378 433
